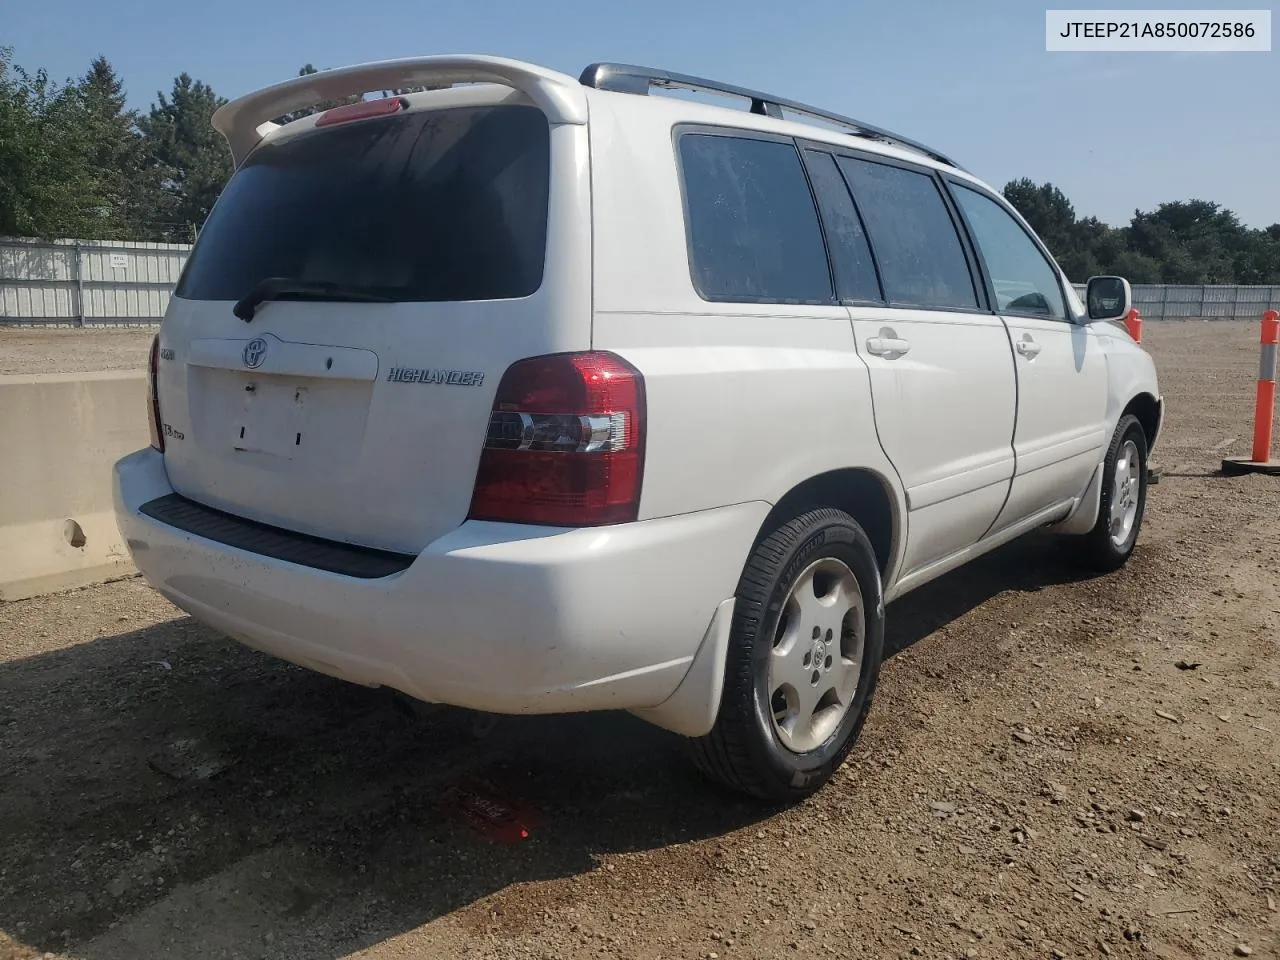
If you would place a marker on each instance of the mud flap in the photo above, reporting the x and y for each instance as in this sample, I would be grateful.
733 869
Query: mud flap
691 711
1082 519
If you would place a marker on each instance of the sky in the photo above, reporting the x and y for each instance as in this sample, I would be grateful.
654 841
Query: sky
1115 131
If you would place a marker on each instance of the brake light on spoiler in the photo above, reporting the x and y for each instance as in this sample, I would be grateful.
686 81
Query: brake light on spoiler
565 444
362 110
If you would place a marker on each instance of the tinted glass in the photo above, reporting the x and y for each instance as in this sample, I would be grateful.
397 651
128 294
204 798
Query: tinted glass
846 239
441 205
753 229
917 247
1023 279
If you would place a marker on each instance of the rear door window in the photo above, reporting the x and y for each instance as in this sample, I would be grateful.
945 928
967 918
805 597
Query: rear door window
427 206
922 262
847 240
752 227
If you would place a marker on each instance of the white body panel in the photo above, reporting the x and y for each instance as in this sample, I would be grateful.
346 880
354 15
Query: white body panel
945 411
498 617
722 368
1062 413
971 442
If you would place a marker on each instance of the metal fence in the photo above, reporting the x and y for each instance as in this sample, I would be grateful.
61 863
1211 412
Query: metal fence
1167 301
84 283
88 283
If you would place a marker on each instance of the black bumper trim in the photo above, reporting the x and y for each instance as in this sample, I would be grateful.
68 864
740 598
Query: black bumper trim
302 549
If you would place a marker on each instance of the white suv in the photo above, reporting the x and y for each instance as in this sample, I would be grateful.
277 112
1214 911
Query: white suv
531 394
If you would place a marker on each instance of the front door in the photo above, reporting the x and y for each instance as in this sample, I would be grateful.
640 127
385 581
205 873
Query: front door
1062 372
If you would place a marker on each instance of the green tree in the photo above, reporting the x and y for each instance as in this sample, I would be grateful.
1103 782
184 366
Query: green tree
1136 268
1186 241
49 186
18 139
1194 241
189 159
1046 209
1099 246
124 186
1260 262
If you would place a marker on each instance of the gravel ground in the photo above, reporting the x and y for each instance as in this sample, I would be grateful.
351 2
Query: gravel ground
1055 767
25 350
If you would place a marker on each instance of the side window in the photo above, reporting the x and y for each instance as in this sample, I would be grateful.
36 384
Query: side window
921 260
753 230
850 254
1023 279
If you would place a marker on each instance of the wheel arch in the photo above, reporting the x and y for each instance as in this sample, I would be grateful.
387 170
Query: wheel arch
1147 409
862 493
1149 413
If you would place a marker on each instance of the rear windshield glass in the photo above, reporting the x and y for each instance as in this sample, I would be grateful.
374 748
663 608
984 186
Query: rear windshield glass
440 205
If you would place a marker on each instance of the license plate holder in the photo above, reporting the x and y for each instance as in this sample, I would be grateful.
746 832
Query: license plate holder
273 419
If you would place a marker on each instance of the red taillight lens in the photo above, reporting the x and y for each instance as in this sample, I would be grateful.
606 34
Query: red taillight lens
565 445
153 396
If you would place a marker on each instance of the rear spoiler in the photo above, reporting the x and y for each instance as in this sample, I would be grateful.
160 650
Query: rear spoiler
245 122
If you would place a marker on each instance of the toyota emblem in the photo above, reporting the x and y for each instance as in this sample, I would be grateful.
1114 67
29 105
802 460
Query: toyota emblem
255 351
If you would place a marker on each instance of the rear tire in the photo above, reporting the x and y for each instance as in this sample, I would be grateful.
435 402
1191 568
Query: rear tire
1123 500
803 660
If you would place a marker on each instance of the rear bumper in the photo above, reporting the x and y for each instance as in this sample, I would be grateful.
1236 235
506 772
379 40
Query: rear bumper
498 617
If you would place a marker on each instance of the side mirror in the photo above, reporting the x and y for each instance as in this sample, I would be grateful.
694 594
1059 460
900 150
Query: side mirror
1108 298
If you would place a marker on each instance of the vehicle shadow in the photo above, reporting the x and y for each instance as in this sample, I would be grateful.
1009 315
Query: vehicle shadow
1025 565
168 793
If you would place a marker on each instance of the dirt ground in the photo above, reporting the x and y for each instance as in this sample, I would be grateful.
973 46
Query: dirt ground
26 350
1054 767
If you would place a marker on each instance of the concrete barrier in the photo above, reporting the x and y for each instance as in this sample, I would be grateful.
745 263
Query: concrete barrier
59 436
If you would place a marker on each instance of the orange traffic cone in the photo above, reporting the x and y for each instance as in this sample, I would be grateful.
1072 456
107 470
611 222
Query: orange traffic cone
1264 407
1133 323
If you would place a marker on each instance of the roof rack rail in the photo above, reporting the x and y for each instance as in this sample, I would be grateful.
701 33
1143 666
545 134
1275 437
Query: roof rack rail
627 78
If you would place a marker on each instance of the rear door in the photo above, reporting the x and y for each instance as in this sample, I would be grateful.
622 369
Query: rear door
363 421
1062 371
942 375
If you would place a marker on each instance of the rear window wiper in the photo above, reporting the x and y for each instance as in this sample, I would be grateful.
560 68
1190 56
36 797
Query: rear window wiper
276 288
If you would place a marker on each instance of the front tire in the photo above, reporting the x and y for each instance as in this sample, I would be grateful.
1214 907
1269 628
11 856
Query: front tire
1123 501
803 661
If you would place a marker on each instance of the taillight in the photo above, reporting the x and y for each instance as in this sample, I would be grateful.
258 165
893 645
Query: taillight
565 445
153 396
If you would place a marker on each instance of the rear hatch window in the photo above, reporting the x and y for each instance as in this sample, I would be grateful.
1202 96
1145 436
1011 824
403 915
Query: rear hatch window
438 205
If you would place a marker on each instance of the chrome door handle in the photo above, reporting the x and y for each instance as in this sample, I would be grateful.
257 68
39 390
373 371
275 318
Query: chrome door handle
890 347
1028 347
